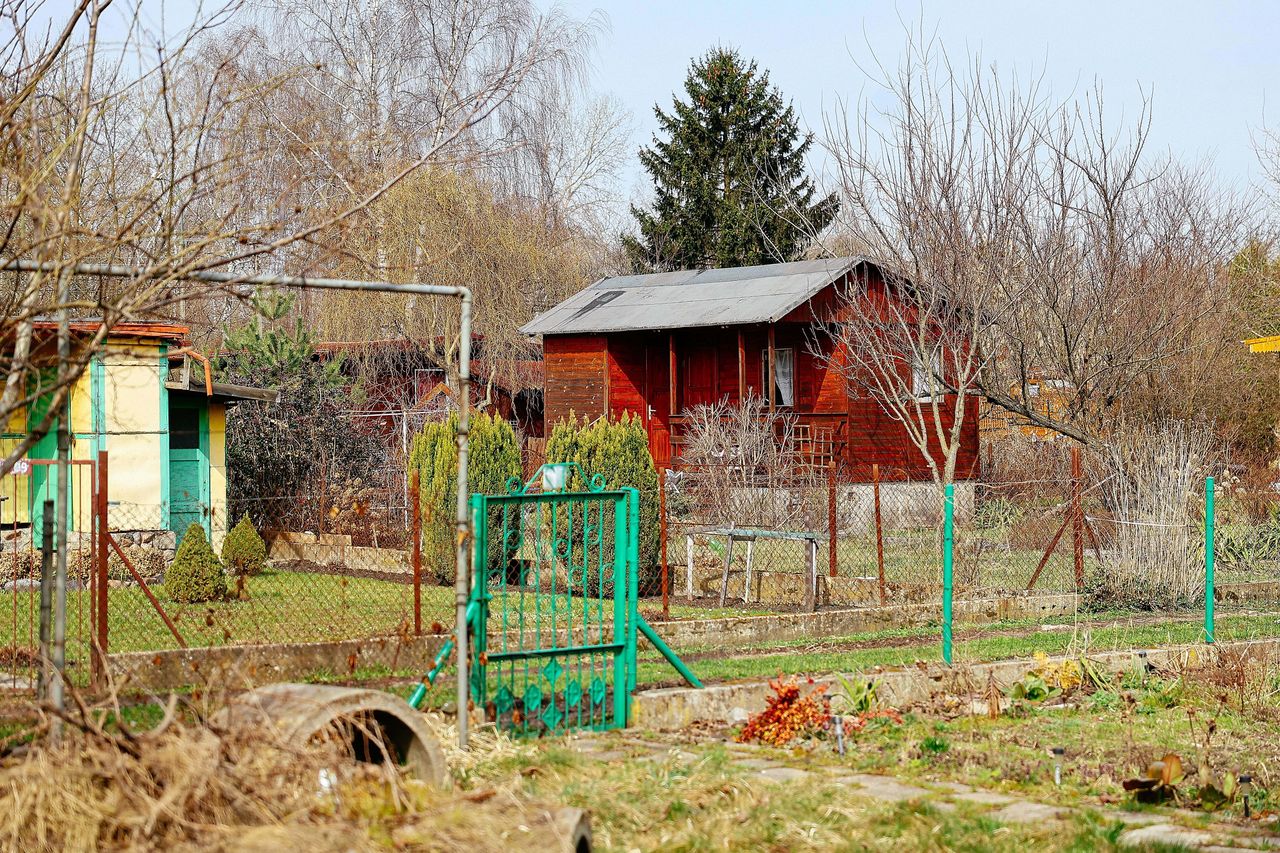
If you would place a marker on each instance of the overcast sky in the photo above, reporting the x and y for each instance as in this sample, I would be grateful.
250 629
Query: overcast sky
1214 67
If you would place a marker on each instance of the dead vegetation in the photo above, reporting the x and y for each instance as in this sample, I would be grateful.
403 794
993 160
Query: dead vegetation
186 784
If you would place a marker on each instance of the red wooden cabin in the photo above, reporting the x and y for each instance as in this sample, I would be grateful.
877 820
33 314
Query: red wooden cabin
657 345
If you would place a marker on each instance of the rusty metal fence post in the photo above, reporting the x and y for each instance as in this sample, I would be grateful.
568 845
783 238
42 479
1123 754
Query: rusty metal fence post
416 533
831 517
98 659
875 491
1077 518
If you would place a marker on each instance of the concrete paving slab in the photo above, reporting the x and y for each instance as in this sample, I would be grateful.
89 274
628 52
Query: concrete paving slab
1165 833
1027 812
983 798
784 774
883 788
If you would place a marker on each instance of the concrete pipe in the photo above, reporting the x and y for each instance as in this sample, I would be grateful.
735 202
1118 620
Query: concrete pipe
572 831
377 724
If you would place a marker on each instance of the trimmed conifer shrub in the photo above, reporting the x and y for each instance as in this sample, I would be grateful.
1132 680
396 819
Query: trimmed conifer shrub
493 458
196 574
618 450
243 551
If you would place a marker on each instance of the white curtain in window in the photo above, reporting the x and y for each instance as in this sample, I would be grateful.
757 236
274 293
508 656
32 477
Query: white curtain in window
785 376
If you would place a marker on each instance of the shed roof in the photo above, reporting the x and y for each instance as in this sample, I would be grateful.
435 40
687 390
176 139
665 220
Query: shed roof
691 298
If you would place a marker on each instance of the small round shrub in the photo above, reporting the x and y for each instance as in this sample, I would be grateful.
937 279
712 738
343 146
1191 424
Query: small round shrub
243 551
196 574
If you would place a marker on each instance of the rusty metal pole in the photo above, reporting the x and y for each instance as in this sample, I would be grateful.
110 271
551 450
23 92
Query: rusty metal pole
101 569
875 492
662 541
416 533
1077 518
831 516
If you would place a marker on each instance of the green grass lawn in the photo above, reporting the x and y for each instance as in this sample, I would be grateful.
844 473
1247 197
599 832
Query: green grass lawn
281 607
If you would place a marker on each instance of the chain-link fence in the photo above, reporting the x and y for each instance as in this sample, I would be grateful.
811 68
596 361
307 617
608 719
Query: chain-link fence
1045 518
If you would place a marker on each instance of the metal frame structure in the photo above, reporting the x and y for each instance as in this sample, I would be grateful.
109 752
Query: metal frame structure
462 589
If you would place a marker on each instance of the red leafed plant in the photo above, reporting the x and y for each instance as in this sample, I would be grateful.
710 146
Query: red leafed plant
788 715
884 716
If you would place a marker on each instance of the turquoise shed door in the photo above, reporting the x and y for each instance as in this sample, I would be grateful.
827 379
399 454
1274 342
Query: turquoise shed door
188 466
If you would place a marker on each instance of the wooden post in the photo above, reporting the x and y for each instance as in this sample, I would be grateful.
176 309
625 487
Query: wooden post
772 371
416 533
1077 517
728 559
831 516
662 540
742 367
875 491
100 590
671 374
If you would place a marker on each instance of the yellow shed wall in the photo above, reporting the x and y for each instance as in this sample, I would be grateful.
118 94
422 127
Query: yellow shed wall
218 472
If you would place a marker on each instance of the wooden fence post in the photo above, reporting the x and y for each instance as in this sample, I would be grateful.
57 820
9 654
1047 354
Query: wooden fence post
875 491
416 533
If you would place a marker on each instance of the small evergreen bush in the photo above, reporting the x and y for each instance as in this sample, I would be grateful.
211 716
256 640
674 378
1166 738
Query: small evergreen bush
196 574
243 551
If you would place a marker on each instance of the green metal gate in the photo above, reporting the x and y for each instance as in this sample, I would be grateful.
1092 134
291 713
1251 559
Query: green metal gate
554 579
553 611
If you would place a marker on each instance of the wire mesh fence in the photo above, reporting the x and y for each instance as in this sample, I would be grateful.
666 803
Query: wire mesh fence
823 539
343 564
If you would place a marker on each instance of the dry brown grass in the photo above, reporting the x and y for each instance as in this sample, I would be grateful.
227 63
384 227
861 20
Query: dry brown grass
187 785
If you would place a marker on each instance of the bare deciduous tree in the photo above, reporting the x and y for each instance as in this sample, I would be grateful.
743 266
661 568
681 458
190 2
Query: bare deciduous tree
1025 241
198 152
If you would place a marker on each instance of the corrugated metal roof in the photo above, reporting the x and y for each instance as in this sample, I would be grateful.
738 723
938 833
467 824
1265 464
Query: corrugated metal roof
691 298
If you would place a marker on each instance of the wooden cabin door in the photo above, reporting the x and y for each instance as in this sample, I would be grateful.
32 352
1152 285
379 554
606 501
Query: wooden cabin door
657 397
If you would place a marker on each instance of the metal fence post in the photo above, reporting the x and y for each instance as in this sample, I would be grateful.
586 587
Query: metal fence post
1208 559
103 573
416 532
46 600
662 540
948 536
1077 518
832 556
875 491
633 590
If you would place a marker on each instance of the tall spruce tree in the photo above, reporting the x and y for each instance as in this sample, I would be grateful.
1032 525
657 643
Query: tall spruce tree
729 179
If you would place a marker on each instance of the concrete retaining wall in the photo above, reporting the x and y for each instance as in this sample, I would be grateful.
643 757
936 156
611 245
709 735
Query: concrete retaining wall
250 666
327 548
254 665
679 707
775 627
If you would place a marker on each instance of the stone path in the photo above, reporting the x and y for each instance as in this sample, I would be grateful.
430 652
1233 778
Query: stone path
1141 827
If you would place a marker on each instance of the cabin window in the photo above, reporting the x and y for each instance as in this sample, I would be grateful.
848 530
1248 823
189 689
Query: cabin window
784 390
920 378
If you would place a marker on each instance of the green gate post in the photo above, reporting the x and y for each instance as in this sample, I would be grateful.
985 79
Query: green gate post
633 589
621 700
1208 559
480 594
948 535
